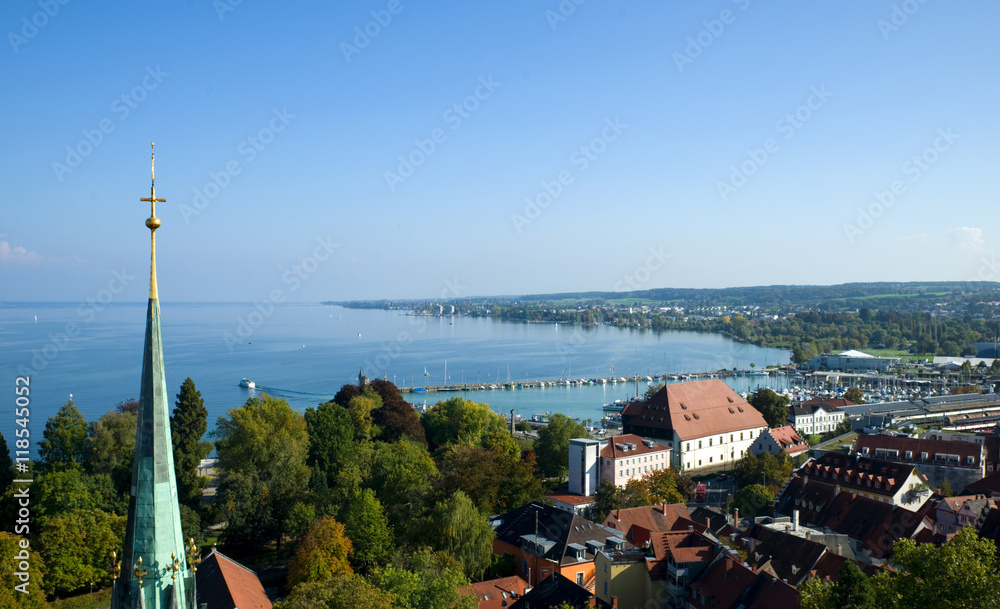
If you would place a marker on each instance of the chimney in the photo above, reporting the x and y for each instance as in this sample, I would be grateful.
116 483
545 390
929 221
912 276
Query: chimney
795 520
736 517
614 602
664 508
840 550
708 523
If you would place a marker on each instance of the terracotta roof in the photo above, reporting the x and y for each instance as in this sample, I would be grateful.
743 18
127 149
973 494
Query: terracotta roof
677 547
611 451
225 584
852 472
727 585
572 499
497 593
788 439
638 523
693 409
917 447
877 525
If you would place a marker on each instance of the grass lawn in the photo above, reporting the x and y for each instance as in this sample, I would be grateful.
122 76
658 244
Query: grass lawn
101 598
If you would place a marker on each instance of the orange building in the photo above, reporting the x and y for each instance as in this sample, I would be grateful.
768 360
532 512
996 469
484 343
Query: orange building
544 540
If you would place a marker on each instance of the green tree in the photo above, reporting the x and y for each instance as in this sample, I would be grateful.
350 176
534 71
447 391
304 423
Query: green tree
322 554
755 500
65 439
607 499
961 573
853 394
401 475
245 503
662 486
266 441
459 421
344 591
365 521
191 525
331 452
456 526
77 547
496 482
14 592
426 580
187 426
360 408
772 406
110 448
552 446
61 491
852 590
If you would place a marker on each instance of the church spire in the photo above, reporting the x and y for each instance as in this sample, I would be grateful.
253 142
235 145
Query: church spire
155 572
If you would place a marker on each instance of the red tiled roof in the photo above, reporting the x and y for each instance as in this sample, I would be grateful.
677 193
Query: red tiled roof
492 593
648 519
917 446
572 499
611 451
225 584
693 410
789 439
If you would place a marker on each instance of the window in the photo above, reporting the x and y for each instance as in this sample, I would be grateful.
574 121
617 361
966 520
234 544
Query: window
605 587
710 441
741 435
970 459
524 566
688 446
579 578
699 443
730 437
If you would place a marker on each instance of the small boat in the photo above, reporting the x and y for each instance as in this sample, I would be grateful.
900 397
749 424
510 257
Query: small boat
418 390
247 384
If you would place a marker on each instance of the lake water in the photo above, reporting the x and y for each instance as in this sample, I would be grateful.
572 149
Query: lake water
304 353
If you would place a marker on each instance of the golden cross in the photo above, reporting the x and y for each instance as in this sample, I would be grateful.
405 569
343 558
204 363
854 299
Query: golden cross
153 223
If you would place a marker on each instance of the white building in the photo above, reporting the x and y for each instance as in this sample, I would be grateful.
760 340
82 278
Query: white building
618 460
585 465
780 438
815 418
707 424
851 360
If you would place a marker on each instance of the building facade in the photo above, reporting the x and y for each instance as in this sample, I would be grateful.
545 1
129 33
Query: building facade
705 423
780 439
815 418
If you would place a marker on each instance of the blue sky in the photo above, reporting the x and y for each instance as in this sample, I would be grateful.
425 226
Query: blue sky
553 146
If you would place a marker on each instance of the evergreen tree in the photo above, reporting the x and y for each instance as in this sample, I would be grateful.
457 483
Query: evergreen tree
65 440
187 425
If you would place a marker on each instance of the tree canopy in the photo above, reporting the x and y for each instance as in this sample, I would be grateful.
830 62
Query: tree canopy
322 553
772 406
460 421
187 426
552 446
65 440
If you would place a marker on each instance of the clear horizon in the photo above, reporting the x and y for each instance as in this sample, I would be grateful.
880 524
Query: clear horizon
404 151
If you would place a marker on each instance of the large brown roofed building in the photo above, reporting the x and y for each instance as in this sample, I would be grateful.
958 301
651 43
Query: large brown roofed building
706 423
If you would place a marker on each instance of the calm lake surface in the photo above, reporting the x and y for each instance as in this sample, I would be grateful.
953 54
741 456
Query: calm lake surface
305 352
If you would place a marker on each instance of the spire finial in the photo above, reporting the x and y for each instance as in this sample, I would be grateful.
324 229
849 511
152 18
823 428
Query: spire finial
153 223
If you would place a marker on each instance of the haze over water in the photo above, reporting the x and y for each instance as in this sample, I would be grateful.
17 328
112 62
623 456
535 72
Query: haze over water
304 353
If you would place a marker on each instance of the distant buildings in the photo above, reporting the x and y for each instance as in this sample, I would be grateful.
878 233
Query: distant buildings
958 463
895 484
852 361
707 424
815 417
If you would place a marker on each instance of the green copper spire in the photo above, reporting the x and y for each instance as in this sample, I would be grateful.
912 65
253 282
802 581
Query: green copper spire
154 571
